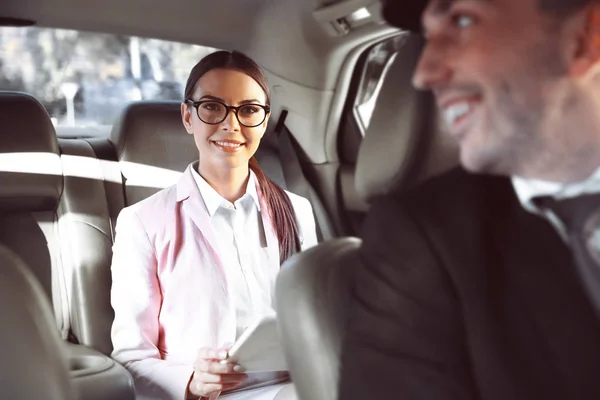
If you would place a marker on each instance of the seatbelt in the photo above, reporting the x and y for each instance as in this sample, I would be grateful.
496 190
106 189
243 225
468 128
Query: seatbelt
295 180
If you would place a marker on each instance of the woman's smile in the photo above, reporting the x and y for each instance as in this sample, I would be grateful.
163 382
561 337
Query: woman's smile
228 146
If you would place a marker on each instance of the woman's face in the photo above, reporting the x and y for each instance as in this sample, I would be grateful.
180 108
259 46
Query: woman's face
228 144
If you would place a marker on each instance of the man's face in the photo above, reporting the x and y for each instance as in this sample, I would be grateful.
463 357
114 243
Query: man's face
500 76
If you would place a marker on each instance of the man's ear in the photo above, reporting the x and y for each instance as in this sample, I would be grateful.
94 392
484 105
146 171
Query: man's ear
186 118
586 57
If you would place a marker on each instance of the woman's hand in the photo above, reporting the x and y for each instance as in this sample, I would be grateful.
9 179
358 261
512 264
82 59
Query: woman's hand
211 377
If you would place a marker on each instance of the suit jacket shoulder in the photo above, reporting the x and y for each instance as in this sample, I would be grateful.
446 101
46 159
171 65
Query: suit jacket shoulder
462 261
452 219
457 193
451 203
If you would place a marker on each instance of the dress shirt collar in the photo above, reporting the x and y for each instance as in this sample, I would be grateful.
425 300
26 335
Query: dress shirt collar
528 189
213 200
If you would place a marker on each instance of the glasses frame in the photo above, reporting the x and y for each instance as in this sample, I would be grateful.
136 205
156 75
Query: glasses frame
197 104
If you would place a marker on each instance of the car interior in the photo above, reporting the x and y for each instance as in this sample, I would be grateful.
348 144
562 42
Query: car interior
38 339
346 126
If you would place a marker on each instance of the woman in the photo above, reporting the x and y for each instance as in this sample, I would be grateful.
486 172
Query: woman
196 263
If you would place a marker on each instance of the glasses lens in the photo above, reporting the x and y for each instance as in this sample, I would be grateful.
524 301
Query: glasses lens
251 115
211 112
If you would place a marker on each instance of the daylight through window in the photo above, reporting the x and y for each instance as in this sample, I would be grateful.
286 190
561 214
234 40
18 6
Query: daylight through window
86 79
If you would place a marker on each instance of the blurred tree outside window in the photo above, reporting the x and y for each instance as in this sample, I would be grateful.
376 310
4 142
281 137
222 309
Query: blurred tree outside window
85 78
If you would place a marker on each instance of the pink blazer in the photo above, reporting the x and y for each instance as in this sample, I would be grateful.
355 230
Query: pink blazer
169 290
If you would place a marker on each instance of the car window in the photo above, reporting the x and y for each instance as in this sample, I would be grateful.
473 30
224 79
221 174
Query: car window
379 58
85 78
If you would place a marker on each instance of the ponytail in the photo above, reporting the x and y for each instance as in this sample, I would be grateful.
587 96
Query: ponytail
281 213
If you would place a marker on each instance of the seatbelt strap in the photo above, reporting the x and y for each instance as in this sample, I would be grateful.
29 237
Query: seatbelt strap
295 180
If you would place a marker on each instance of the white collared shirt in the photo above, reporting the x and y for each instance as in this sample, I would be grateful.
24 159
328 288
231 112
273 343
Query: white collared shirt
242 247
528 189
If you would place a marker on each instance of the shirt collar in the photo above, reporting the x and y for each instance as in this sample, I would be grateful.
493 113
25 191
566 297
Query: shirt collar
528 189
213 200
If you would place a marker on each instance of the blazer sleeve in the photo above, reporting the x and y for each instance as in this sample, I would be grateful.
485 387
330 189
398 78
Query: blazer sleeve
405 336
136 299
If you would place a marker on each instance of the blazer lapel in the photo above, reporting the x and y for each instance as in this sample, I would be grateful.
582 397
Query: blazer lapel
193 206
540 265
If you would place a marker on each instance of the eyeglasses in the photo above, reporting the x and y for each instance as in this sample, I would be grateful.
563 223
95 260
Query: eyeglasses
214 112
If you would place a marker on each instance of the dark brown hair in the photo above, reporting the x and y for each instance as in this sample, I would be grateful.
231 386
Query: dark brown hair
280 209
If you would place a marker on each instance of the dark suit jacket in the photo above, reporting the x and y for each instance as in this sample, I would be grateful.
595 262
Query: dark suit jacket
462 294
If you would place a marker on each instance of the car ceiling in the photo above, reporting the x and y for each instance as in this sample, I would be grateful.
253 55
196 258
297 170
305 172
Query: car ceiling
282 34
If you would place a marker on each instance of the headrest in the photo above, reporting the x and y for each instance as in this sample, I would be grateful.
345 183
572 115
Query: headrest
403 145
404 14
152 133
320 298
152 146
30 167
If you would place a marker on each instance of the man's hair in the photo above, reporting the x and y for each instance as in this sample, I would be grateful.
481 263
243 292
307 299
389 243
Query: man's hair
563 8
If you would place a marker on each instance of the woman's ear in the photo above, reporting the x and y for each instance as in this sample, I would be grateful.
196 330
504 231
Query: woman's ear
186 118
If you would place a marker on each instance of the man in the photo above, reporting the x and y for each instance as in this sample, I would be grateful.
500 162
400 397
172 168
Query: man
480 284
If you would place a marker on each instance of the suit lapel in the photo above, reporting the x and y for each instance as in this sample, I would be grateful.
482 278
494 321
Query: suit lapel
540 264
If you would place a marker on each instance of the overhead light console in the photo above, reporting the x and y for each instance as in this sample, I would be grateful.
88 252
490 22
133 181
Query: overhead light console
341 17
